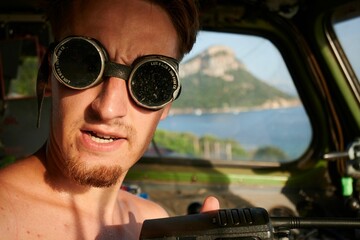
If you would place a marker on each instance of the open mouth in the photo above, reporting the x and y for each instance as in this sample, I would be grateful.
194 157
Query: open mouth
101 138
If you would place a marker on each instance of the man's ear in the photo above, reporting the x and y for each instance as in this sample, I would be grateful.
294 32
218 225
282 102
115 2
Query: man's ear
165 111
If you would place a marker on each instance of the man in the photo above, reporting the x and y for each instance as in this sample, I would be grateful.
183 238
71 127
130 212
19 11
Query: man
100 126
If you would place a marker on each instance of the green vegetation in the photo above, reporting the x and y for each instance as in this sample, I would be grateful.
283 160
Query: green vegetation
188 144
24 84
205 92
6 160
270 154
206 146
181 143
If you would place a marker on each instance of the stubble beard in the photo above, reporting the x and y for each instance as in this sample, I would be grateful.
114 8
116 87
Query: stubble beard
94 176
100 176
97 176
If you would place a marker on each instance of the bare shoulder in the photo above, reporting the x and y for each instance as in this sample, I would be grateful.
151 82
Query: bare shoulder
11 177
143 208
22 172
10 194
17 181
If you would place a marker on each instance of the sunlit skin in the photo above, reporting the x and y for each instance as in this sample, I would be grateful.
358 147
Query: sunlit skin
99 133
107 110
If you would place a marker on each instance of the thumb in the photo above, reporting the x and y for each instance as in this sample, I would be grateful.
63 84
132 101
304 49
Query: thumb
210 203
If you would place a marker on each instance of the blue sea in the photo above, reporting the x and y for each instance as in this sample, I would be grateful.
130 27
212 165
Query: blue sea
287 128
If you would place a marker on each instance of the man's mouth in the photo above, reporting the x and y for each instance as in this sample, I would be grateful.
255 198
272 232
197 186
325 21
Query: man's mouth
101 138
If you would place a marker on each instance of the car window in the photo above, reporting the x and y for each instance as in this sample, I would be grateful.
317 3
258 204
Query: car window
348 33
20 71
238 102
22 45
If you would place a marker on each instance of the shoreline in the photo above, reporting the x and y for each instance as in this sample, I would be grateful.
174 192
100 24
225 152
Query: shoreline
234 110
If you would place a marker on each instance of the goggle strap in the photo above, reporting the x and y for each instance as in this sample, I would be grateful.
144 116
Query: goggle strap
116 70
41 84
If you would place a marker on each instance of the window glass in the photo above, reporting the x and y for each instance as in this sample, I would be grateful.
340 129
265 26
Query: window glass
238 102
22 45
20 66
348 33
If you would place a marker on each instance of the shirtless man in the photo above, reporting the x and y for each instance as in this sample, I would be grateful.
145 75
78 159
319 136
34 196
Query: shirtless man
69 189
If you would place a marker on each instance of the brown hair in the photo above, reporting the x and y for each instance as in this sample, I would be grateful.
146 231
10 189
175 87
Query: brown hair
183 14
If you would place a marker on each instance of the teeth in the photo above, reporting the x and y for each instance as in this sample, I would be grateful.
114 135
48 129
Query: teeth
101 138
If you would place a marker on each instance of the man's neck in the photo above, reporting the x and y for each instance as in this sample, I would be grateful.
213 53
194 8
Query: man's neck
84 198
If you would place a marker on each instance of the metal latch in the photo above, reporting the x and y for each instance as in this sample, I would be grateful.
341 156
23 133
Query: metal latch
352 157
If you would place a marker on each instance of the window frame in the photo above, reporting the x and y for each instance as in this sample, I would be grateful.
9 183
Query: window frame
305 79
344 13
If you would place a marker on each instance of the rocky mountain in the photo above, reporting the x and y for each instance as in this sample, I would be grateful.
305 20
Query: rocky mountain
216 61
215 80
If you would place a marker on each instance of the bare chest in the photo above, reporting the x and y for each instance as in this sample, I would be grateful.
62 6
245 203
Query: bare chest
58 223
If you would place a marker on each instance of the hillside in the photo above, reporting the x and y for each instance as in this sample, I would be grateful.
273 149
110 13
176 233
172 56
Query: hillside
224 83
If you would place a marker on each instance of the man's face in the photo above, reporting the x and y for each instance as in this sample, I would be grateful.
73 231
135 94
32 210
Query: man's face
97 134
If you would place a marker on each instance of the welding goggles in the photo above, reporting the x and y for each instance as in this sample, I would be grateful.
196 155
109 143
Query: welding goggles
82 62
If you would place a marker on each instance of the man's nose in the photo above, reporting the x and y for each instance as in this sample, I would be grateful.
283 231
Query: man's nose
112 101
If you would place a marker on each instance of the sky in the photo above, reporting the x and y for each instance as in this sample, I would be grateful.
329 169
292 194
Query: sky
264 61
349 35
254 52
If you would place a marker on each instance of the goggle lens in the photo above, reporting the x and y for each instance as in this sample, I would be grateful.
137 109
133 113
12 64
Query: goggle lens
152 83
80 63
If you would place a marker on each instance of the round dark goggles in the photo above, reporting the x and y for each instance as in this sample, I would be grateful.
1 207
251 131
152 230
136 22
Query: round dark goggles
81 62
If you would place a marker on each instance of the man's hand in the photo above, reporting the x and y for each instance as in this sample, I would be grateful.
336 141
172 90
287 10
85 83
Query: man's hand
210 203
